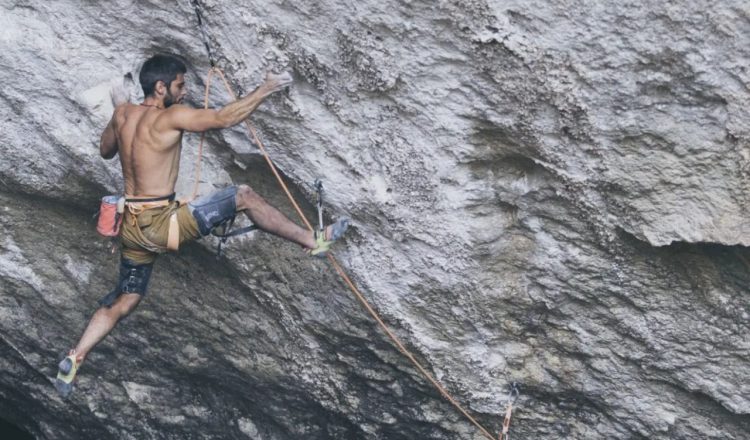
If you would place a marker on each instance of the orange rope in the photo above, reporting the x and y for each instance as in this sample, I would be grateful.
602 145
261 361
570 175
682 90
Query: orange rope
338 267
203 138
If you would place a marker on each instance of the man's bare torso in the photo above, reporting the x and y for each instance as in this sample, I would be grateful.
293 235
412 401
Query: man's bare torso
150 157
148 136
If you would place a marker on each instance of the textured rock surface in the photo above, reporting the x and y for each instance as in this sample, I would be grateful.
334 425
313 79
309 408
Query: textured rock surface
551 195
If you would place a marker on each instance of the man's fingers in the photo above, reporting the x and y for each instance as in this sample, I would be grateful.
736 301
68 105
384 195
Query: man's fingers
285 78
120 91
278 81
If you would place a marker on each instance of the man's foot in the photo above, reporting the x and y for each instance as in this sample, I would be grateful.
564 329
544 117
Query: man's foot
66 372
323 241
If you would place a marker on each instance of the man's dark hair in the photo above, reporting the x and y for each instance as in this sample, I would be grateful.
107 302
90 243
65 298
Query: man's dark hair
160 68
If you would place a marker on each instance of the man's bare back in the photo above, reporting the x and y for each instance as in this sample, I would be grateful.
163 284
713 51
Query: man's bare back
150 163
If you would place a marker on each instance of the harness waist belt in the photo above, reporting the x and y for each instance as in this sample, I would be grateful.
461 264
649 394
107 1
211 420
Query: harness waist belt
148 199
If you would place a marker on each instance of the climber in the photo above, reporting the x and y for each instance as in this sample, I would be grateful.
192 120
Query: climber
148 138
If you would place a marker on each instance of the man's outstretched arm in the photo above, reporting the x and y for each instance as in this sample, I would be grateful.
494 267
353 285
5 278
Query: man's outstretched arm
199 120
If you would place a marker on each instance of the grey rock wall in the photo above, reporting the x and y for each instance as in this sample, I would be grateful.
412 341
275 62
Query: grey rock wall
547 193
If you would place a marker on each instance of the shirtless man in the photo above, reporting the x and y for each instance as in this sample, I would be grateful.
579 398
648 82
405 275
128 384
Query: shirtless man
148 138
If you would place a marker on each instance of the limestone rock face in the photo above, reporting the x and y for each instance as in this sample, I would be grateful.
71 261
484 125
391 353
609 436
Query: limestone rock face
547 193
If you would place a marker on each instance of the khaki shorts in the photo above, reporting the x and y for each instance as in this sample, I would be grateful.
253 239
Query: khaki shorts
195 220
154 227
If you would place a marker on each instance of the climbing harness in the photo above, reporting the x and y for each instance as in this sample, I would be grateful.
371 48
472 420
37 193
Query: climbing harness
337 267
111 214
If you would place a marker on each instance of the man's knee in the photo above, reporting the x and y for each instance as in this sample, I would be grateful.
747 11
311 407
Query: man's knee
126 303
246 197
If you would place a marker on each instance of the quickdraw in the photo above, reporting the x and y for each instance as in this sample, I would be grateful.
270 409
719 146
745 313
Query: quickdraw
512 397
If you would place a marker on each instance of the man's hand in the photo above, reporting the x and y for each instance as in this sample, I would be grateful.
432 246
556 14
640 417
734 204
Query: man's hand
120 91
274 82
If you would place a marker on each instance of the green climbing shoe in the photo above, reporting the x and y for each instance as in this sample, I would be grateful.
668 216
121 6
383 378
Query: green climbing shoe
336 231
66 372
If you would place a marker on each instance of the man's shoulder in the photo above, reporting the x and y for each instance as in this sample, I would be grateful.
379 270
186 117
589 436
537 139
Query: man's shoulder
174 112
121 111
124 109
121 108
169 119
174 115
178 108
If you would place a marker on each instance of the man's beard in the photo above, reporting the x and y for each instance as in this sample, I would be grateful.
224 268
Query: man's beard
168 99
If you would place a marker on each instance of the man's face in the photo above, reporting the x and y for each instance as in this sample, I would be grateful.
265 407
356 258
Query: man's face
176 91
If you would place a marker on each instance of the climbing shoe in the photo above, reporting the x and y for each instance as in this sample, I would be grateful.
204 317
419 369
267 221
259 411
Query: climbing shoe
322 244
66 372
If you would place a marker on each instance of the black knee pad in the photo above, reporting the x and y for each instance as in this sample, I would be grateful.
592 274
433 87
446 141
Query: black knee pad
133 278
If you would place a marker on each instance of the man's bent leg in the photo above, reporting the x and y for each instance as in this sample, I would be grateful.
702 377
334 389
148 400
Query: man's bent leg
215 209
131 287
103 321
